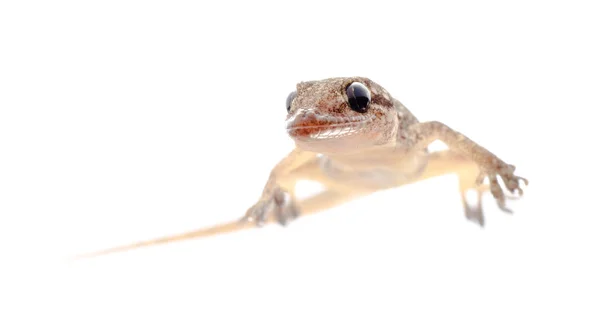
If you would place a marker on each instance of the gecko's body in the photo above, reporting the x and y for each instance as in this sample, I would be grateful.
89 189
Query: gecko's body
354 138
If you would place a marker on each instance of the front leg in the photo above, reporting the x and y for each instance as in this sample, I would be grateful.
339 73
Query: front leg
278 192
490 165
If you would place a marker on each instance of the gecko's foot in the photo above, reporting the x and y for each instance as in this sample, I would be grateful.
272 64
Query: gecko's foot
474 214
280 204
474 211
512 183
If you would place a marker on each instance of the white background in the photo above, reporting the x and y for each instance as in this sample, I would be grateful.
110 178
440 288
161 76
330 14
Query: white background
127 120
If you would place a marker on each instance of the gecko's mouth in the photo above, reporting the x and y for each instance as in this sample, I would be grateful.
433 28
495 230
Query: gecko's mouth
308 125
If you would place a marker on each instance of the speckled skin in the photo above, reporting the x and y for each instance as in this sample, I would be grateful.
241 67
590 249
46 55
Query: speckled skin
327 98
354 154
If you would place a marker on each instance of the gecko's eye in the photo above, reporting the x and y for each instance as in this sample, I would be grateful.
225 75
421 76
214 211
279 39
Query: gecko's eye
359 97
288 101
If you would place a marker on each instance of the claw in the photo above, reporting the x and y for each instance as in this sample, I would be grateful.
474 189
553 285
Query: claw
513 184
520 190
521 179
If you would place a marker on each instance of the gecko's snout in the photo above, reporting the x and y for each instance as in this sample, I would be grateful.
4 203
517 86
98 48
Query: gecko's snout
304 122
307 124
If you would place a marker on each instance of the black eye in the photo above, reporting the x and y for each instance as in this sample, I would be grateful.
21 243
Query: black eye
288 101
359 97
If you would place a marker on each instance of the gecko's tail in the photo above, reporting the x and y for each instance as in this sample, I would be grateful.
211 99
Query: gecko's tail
314 204
205 232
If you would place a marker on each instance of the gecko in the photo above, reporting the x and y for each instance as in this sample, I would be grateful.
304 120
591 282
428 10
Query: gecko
355 139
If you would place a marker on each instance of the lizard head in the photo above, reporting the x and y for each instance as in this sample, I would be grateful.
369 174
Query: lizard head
339 115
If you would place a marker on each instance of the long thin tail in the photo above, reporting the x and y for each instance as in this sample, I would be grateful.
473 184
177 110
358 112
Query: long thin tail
440 163
199 233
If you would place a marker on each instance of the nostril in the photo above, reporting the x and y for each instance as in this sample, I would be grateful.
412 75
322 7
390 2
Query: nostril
303 115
